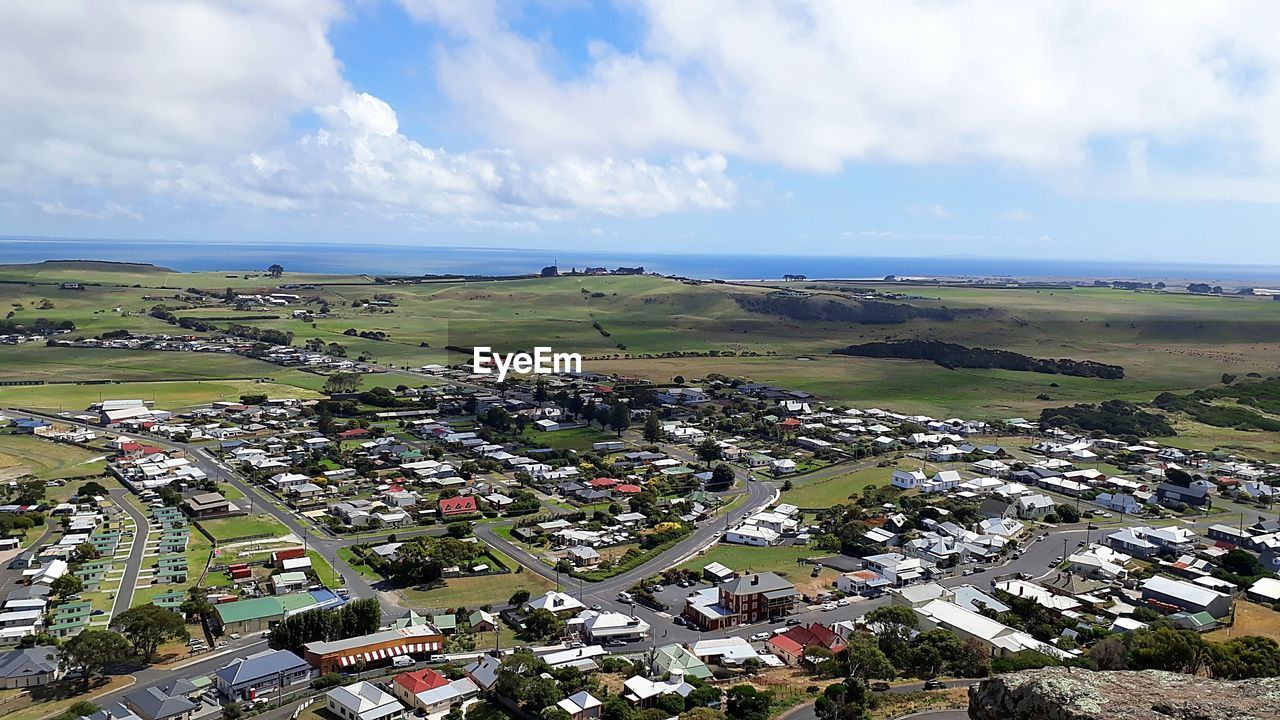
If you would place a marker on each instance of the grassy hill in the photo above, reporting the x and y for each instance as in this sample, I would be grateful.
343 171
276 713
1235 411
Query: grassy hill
1164 341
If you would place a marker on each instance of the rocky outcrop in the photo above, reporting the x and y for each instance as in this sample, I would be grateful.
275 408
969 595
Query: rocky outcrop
1073 694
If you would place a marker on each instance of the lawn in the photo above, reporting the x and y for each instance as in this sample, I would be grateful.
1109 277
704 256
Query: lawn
167 395
825 492
231 529
47 460
473 592
365 571
780 560
1251 619
580 439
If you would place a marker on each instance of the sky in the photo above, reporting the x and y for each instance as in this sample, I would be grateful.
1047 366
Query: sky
1086 129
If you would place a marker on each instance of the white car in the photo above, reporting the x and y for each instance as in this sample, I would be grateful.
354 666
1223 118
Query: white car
760 637
827 606
843 602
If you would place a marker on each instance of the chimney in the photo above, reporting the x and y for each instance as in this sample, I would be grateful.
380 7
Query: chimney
755 579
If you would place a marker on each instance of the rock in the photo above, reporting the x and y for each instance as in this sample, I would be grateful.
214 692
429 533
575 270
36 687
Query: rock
1061 693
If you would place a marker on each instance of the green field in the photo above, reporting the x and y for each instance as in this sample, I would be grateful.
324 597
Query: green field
1165 341
47 460
175 395
579 439
824 492
472 592
229 529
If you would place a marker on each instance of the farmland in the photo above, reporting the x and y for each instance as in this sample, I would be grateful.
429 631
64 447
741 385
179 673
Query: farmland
24 454
657 329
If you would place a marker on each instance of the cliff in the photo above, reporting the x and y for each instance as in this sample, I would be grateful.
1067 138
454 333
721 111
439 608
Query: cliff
1072 694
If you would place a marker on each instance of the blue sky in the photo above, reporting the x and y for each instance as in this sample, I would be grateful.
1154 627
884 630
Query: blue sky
1088 131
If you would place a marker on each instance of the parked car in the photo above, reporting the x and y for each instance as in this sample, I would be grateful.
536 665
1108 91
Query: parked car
826 607
761 637
843 602
679 620
401 661
934 684
793 621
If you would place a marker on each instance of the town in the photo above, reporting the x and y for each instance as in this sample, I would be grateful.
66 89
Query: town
591 546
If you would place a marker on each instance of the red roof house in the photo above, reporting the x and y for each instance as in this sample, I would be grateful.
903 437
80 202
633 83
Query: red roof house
603 483
457 506
627 489
418 681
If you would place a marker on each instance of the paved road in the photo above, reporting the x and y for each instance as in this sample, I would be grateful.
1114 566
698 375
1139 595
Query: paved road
129 581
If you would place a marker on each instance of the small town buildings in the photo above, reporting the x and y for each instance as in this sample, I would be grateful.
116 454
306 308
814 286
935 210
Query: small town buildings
363 701
1171 595
154 703
334 655
29 667
205 505
261 673
581 705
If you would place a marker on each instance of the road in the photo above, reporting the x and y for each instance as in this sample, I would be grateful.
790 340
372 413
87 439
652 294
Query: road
129 581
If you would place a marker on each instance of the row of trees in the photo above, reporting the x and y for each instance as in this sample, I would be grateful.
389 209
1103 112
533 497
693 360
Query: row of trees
355 618
134 633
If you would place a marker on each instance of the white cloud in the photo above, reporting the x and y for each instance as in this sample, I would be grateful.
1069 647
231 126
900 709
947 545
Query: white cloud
936 211
193 102
813 84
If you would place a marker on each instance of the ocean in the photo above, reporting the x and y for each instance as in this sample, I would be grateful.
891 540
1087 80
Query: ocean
413 259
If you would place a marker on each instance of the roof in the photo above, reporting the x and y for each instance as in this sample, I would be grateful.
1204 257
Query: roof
250 609
578 702
154 703
757 583
421 680
366 700
1196 595
461 503
29 661
261 665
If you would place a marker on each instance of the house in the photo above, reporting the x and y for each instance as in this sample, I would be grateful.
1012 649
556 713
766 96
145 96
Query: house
583 556
261 673
717 573
600 627
758 597
897 568
790 645
483 672
459 506
1265 590
861 582
206 505
676 660
907 479
363 701
482 621
438 700
1034 507
154 703
376 647
642 692
406 685
29 667
752 535
1170 595
563 605
998 639
581 705
1195 494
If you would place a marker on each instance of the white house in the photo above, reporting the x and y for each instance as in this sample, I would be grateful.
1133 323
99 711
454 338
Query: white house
363 701
908 479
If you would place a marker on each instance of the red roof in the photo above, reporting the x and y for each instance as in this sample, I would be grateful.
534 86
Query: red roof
150 450
786 645
129 447
815 634
790 422
353 432
421 680
460 505
603 482
627 489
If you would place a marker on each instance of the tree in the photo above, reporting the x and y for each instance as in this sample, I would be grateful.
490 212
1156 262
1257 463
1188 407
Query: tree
619 417
1110 654
703 713
843 701
84 552
276 270
342 382
747 703
670 703
66 586
93 651
148 626
1244 657
254 399
78 709
553 712
518 598
91 488
709 451
895 625
862 658
1240 562
1067 513
721 476
652 428
1165 648
232 712
542 624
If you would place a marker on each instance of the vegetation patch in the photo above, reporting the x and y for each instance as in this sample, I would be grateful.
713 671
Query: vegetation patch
952 355
1113 417
869 312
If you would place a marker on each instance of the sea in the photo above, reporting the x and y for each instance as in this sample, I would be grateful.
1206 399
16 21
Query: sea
364 258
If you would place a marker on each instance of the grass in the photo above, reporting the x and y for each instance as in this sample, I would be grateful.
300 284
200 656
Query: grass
473 592
580 439
353 560
167 395
231 529
1251 619
230 492
828 491
46 460
781 560
54 698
